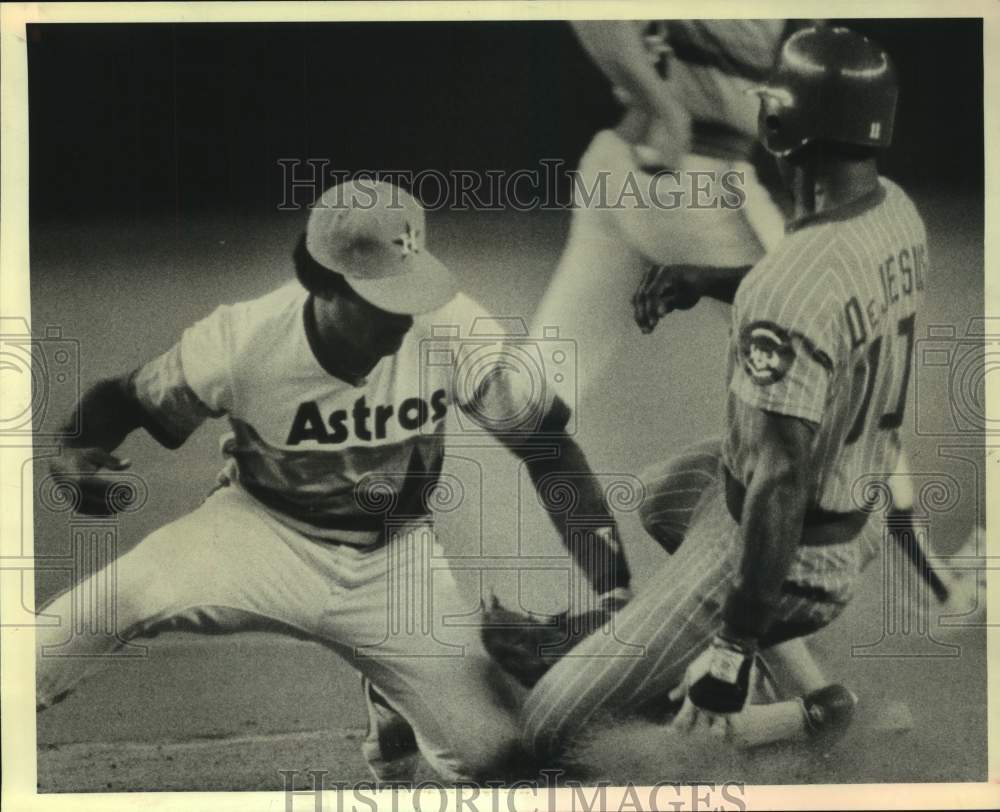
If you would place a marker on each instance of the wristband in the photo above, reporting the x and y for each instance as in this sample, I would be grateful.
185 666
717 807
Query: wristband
747 617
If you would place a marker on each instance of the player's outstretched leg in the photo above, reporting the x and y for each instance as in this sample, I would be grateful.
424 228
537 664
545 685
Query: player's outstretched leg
218 569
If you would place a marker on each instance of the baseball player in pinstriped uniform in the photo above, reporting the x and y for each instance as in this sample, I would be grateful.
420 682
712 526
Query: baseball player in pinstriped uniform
321 527
819 359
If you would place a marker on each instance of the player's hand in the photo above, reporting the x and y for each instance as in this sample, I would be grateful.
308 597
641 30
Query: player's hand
663 289
81 469
714 688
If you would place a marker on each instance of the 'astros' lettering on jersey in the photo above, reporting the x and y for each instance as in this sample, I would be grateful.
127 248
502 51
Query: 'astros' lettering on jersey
823 329
305 443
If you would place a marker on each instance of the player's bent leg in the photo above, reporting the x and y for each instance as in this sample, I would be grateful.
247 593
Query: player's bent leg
673 622
390 747
590 295
404 626
219 569
674 489
630 665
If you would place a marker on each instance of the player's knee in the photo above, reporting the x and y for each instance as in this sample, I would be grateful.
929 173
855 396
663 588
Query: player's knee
542 739
499 757
542 744
667 534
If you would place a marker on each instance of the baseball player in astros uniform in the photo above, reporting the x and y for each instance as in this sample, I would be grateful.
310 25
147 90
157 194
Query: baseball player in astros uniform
689 121
820 351
321 527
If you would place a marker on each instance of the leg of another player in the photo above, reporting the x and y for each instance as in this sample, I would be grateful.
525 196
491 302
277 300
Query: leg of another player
218 569
793 667
404 625
390 747
590 295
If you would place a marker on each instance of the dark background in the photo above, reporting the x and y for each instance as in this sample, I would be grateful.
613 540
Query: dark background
139 120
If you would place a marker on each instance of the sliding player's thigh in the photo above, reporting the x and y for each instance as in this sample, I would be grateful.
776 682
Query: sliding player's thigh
674 488
635 660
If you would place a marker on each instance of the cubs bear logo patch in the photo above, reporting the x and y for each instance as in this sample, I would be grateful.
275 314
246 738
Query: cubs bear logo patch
765 351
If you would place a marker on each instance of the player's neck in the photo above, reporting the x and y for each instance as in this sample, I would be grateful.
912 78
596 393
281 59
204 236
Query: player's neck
833 184
340 352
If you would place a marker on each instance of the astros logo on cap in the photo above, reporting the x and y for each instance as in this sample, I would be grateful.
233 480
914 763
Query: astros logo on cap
371 233
408 240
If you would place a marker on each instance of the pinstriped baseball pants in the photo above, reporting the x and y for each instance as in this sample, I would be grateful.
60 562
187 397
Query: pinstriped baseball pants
630 664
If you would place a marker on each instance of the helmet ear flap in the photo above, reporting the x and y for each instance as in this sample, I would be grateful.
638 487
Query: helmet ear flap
778 125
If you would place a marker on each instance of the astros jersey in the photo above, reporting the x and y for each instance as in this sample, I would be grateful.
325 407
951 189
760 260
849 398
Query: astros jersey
823 330
713 66
326 457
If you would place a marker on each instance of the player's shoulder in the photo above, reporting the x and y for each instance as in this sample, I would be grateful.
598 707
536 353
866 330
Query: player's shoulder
898 201
793 284
801 251
275 308
289 295
239 324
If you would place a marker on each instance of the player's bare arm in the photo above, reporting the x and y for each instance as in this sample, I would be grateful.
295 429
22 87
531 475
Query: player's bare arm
617 48
109 411
550 453
771 521
772 513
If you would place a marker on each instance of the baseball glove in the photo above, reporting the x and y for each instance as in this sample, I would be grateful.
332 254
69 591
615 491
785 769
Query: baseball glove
528 645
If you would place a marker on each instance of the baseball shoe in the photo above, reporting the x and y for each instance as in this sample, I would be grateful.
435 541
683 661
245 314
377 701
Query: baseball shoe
390 745
828 713
964 578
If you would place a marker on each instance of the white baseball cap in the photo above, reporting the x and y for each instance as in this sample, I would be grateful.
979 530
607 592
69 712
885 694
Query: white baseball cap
372 233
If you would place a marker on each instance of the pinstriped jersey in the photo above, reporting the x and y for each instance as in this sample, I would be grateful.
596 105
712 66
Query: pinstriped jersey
329 458
823 330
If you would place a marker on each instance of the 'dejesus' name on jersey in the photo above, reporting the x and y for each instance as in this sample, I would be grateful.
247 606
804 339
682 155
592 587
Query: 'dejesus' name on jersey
823 330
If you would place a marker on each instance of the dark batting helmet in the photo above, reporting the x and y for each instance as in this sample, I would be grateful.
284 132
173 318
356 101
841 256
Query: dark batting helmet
829 84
